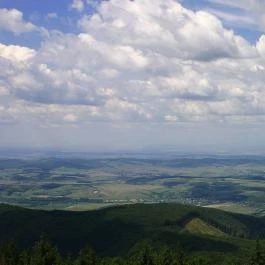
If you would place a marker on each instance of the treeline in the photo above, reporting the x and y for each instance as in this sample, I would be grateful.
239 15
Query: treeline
44 253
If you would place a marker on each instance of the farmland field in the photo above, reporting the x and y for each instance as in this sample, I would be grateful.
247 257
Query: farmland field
232 183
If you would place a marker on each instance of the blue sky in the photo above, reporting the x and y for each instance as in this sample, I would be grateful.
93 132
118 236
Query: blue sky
37 12
118 74
40 13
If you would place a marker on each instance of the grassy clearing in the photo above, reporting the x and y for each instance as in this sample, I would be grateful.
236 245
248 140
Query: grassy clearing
198 226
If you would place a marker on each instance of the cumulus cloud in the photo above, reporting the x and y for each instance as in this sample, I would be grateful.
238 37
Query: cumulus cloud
165 27
12 20
16 53
137 61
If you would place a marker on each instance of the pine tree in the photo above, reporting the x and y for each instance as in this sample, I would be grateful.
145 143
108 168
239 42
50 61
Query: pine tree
9 254
258 258
43 253
147 257
87 256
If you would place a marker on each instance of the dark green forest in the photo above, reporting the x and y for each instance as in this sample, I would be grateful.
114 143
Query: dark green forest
131 234
44 253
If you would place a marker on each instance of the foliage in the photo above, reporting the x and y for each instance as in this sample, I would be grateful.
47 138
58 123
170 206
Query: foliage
258 257
44 253
153 234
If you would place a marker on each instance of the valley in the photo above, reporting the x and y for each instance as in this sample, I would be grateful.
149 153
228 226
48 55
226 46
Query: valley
232 183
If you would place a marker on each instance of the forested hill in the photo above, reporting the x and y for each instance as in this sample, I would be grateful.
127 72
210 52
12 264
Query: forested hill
114 231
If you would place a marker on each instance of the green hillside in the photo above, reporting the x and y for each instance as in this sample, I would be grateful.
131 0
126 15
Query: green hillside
116 231
113 231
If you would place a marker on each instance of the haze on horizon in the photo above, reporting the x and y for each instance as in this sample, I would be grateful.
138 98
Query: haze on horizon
119 75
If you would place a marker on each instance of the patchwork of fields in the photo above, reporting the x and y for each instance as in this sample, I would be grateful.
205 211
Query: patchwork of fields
231 183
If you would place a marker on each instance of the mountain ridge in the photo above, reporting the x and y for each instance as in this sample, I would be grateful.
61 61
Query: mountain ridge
115 230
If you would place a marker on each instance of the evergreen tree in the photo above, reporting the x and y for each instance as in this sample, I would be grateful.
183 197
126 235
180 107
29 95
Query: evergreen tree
43 253
86 256
24 258
259 255
200 260
9 254
169 257
147 258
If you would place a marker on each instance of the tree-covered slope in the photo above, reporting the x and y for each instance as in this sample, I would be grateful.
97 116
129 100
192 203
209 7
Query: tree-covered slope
114 231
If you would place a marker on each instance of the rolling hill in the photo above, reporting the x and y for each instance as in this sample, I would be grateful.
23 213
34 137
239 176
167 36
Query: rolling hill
114 231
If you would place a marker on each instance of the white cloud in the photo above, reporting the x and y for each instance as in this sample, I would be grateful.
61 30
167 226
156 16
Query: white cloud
137 61
261 45
3 91
257 5
250 13
16 53
78 5
165 27
12 20
52 15
70 117
239 20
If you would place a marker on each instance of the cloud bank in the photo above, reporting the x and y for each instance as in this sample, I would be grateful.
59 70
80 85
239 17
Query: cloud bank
132 62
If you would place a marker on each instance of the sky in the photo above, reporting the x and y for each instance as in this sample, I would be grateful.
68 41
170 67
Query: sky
91 75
